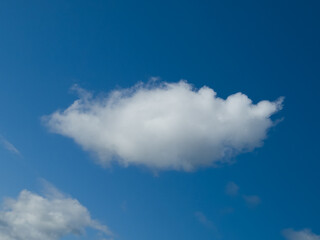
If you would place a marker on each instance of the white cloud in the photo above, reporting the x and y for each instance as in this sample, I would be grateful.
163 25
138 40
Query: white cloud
232 189
50 217
252 200
9 146
165 126
305 234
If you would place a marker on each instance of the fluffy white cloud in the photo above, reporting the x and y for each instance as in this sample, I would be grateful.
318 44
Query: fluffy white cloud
168 126
305 234
36 217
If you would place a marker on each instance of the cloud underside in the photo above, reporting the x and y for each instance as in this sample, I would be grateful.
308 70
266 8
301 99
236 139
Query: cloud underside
168 126
35 217
305 234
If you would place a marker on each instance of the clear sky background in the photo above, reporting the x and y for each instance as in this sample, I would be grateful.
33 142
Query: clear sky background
264 49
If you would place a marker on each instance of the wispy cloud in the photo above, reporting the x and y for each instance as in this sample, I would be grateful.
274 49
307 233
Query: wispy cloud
305 234
252 200
124 206
232 189
202 218
9 146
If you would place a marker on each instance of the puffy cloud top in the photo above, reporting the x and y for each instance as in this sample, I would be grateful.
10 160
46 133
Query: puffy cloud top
168 126
35 217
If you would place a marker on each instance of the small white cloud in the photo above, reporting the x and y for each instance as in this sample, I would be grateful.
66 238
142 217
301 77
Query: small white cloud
9 146
51 217
165 125
232 189
305 234
252 200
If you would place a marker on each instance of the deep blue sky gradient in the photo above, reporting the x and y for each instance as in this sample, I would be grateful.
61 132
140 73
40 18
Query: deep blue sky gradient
265 49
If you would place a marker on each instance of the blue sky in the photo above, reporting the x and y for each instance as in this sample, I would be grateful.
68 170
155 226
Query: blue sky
181 183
